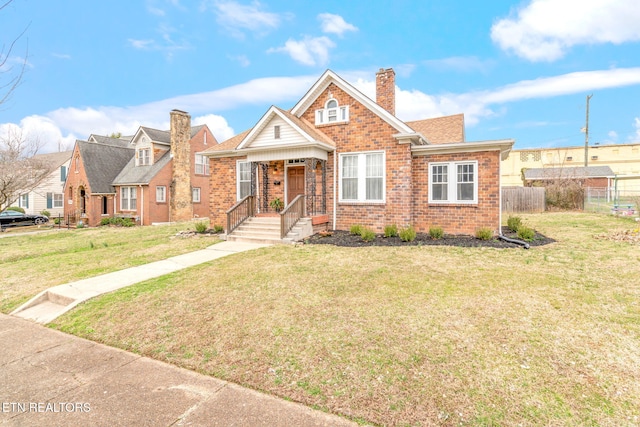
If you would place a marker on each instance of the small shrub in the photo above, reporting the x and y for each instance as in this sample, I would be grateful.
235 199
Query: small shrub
80 224
514 222
218 228
407 234
484 233
46 213
526 233
356 229
367 235
118 222
390 230
15 208
201 227
105 221
436 232
56 220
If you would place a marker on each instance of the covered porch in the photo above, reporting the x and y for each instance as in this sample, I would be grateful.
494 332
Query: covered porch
284 199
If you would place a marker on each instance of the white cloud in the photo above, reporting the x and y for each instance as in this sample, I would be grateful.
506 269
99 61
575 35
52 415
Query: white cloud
308 51
61 55
636 124
43 131
142 44
335 24
237 17
217 124
544 30
243 60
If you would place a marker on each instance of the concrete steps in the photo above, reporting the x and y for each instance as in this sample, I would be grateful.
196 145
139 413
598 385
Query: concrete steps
267 230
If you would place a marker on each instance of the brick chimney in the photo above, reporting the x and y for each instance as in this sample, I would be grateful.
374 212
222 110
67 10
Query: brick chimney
386 89
181 207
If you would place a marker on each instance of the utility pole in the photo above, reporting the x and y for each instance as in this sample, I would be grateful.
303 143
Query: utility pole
586 135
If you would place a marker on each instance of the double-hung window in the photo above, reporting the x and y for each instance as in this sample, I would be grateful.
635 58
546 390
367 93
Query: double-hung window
202 165
144 156
195 194
128 197
161 194
362 177
453 182
243 179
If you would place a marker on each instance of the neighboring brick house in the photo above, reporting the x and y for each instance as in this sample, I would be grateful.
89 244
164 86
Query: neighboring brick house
154 176
49 193
356 163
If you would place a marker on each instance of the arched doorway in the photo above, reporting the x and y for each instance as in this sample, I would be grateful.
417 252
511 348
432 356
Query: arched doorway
82 205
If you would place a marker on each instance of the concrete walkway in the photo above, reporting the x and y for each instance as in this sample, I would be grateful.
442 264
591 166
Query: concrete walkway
48 378
53 302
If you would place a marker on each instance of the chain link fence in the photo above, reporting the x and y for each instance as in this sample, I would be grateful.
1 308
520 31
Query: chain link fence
610 200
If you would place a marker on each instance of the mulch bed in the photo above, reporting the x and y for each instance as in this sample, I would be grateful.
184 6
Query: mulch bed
344 238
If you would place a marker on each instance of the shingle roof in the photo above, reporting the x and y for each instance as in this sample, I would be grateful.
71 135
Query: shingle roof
132 174
568 173
229 144
156 135
307 127
120 142
440 130
102 163
54 160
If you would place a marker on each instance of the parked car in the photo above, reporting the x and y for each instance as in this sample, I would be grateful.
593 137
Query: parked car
18 219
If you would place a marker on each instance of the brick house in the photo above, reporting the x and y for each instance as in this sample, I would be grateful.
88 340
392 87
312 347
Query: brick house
154 176
352 161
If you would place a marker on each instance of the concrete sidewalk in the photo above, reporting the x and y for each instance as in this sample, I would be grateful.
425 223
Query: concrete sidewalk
54 379
54 302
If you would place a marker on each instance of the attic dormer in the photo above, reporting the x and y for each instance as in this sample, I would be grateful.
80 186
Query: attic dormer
332 112
144 151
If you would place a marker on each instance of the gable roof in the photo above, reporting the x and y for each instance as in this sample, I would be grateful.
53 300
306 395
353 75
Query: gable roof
54 160
302 126
132 174
102 163
580 172
163 136
441 130
329 77
121 142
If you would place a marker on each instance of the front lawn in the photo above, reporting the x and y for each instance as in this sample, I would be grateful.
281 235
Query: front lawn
32 263
421 335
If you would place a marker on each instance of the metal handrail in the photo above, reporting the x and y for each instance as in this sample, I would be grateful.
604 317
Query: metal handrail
291 214
239 213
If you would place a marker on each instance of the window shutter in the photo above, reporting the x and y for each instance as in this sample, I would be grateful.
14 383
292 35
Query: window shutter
63 173
50 200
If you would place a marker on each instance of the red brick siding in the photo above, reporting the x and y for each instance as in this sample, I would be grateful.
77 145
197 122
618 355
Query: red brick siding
458 218
365 131
222 188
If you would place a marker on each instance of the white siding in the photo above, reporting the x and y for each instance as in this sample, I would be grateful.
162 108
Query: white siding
51 184
287 154
288 135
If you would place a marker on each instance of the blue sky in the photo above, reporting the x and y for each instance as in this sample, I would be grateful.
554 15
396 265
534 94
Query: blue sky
516 69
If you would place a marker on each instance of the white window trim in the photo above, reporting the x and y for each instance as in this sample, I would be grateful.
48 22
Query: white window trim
203 163
452 183
194 191
164 194
60 200
141 157
128 198
362 177
341 113
238 162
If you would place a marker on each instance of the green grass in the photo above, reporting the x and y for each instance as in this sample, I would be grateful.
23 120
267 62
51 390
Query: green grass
32 263
406 336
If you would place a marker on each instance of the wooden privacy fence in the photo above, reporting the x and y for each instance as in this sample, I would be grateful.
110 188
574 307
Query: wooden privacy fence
523 199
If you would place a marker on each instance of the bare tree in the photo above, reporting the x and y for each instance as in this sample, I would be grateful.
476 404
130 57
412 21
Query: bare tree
10 78
20 172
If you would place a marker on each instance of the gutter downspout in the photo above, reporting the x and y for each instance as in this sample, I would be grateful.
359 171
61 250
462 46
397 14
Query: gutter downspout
141 205
335 171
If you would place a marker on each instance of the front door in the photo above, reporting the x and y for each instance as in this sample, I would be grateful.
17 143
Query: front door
295 182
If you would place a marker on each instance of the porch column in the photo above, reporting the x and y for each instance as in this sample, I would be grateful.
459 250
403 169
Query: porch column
324 186
311 164
254 178
265 185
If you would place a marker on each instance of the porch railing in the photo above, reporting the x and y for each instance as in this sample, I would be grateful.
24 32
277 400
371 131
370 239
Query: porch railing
239 212
291 214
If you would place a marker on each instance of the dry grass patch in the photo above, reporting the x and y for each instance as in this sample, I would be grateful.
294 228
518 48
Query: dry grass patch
32 263
406 336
